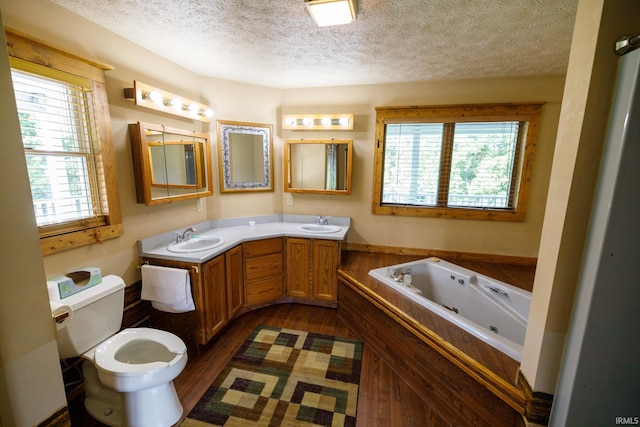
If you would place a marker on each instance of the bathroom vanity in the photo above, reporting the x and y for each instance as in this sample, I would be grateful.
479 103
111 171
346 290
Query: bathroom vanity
256 262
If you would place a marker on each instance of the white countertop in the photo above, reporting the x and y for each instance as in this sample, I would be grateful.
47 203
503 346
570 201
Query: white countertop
237 230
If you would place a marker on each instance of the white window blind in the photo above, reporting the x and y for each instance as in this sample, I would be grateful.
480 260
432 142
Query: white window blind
412 163
59 137
467 164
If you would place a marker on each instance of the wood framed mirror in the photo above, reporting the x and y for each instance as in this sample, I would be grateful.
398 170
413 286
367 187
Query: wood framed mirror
245 156
170 164
318 166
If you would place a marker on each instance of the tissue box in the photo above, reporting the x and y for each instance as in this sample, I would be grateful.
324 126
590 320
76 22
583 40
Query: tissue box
77 281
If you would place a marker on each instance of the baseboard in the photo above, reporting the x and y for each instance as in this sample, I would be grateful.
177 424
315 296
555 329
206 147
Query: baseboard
60 418
538 406
447 255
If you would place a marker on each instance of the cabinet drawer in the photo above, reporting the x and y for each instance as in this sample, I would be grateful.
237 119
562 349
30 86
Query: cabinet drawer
258 248
263 267
264 290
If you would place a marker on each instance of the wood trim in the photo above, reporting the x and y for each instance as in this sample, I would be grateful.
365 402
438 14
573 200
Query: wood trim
97 229
447 255
290 143
60 418
508 393
538 407
523 112
18 39
461 110
63 242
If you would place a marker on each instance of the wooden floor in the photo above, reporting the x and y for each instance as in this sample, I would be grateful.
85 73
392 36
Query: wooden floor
384 399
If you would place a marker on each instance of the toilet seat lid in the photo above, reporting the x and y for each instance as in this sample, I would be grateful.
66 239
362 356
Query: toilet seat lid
138 350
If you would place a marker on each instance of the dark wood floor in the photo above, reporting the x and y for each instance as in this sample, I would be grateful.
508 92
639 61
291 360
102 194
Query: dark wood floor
384 399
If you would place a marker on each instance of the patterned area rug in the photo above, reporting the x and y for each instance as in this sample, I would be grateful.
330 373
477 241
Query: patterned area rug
284 377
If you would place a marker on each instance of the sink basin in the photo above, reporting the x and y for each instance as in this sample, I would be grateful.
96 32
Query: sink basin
318 229
196 244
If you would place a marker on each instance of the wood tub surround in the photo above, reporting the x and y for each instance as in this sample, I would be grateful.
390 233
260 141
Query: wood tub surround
448 367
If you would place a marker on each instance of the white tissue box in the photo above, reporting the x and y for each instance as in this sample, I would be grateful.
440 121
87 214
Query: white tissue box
77 281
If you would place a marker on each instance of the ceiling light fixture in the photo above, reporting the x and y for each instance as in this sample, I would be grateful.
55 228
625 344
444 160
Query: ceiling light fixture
332 12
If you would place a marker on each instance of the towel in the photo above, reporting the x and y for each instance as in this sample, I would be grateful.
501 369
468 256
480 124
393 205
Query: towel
168 289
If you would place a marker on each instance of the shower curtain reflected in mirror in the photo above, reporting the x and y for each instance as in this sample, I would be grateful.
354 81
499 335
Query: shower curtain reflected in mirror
332 167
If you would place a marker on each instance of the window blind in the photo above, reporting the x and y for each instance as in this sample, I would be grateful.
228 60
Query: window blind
58 135
412 163
466 164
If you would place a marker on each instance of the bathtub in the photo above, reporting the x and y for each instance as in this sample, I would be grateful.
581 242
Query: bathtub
489 309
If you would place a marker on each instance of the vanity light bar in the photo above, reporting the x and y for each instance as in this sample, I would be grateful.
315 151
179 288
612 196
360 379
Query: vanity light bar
152 97
317 121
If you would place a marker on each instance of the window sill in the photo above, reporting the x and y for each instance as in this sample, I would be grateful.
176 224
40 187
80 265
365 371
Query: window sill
76 239
449 213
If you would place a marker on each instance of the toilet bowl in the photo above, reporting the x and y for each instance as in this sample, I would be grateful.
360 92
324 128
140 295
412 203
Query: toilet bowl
139 358
140 364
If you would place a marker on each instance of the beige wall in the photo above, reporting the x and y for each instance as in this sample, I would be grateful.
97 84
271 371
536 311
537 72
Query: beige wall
517 239
29 367
587 98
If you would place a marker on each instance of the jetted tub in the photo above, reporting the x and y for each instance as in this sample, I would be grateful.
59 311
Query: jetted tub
489 309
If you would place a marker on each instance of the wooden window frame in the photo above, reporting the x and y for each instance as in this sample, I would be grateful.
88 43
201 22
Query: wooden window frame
73 234
522 112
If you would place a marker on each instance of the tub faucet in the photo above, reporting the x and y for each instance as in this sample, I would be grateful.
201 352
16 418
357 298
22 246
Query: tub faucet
186 234
402 277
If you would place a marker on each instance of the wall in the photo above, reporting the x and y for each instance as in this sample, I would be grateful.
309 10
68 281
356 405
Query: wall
31 386
587 98
507 238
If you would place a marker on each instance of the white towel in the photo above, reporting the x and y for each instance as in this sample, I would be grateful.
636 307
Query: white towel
168 289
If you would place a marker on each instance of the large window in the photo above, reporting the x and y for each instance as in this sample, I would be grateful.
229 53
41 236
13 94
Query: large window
454 161
64 121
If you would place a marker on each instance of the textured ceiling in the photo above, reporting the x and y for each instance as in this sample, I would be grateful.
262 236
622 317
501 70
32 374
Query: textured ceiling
276 42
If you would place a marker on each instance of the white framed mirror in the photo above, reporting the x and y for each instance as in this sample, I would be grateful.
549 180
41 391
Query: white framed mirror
245 156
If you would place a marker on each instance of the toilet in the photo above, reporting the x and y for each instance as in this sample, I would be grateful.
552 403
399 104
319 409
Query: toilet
128 375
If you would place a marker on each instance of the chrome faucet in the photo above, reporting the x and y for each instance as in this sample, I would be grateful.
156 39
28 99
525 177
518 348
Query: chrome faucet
322 220
186 235
403 276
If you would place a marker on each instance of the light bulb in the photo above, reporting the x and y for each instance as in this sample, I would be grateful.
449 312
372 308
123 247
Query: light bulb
326 121
176 103
155 97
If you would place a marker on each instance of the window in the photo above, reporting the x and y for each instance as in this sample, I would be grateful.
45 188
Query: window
64 121
454 161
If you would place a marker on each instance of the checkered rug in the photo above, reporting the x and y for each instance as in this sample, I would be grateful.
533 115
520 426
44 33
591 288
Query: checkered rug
284 377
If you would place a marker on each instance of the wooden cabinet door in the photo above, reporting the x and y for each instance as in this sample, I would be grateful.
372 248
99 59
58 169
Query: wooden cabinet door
297 267
235 281
325 260
215 295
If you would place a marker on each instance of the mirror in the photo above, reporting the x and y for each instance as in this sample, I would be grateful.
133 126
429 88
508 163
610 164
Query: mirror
245 156
318 166
169 164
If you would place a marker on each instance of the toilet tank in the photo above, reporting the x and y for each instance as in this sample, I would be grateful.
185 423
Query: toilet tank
96 314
